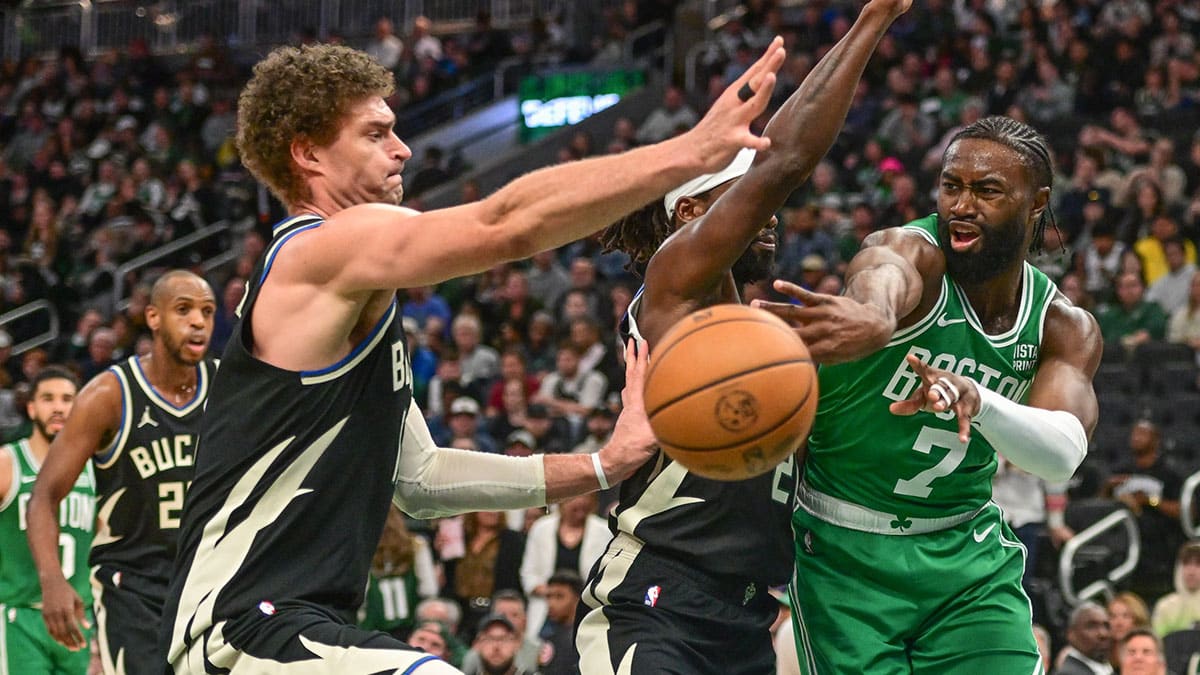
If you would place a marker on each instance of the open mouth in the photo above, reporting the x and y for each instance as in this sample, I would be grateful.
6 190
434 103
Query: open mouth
963 235
197 344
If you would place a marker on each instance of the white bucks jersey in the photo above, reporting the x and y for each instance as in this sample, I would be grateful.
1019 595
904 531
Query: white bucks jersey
141 478
294 477
740 528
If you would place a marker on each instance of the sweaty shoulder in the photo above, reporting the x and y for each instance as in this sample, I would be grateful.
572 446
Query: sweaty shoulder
1071 333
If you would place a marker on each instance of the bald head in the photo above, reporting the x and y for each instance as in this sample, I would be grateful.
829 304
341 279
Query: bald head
174 283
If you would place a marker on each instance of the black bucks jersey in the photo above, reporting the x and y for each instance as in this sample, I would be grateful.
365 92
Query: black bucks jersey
735 528
294 477
142 476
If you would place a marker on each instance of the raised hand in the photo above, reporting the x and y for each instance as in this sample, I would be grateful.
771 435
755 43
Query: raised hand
941 390
725 129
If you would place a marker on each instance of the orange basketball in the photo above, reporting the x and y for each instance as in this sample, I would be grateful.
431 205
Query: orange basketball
731 391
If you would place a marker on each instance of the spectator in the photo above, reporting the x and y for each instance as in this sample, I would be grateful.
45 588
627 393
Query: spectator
226 317
1142 654
1180 610
479 362
1150 487
384 46
1152 248
463 422
1089 642
495 649
402 574
431 172
1127 612
667 119
423 303
571 538
569 391
424 44
1131 320
1170 291
1184 326
101 344
905 131
559 655
552 434
434 638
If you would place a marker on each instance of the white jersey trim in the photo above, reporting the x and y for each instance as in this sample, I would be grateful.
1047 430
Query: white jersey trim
15 485
197 399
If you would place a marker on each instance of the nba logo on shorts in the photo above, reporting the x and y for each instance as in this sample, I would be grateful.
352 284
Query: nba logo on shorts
652 596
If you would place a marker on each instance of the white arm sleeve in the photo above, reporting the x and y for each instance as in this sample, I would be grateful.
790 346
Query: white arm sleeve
1050 444
432 482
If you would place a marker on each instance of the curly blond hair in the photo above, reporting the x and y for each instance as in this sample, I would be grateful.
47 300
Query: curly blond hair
301 92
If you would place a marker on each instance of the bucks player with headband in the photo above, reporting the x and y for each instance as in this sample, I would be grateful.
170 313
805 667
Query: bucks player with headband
683 585
946 349
25 644
138 424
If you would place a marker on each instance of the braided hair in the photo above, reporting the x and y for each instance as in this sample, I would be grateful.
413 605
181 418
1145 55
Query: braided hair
1032 148
638 234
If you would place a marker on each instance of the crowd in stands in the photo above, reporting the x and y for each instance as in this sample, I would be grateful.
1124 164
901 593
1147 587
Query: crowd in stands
104 160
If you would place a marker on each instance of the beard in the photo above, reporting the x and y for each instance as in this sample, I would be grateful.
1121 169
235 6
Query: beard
43 429
754 266
1000 247
176 350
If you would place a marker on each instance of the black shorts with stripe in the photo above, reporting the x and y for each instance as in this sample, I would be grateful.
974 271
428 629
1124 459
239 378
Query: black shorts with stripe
644 613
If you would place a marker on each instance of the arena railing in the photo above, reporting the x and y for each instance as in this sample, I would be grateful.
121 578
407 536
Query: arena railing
50 334
1115 521
1187 506
220 228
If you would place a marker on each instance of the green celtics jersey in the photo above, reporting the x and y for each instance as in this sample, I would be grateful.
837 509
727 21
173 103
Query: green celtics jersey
390 603
916 466
19 585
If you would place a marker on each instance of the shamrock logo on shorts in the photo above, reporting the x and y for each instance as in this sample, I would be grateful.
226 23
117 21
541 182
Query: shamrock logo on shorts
901 523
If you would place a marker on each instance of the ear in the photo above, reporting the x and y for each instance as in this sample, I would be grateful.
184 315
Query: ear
689 209
153 318
304 154
1041 199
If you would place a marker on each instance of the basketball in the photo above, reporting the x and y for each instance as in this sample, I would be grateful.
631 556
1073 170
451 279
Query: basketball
731 391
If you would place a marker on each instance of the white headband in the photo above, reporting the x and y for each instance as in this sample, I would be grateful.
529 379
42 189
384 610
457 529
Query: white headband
739 165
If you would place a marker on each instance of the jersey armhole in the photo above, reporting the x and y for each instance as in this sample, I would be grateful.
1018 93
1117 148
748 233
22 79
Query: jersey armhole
109 455
15 484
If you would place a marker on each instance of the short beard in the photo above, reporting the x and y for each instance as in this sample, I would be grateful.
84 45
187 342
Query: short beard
43 430
999 251
754 266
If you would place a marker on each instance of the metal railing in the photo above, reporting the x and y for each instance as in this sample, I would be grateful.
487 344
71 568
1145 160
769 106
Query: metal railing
1187 504
1120 518
119 299
46 336
173 26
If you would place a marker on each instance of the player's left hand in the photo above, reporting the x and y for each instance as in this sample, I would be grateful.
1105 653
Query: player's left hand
941 390
632 441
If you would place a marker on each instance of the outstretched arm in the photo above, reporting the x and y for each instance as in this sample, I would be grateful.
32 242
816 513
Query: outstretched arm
883 288
377 247
436 482
697 259
94 416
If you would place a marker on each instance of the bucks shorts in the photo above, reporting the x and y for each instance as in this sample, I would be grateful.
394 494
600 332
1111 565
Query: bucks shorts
947 601
645 613
128 610
303 638
26 646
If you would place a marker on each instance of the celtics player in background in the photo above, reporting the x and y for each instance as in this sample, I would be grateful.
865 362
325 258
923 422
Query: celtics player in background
25 644
682 587
138 424
946 349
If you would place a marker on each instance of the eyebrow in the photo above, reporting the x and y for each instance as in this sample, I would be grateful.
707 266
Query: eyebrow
982 182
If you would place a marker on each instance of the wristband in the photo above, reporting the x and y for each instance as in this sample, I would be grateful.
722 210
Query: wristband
603 480
1056 519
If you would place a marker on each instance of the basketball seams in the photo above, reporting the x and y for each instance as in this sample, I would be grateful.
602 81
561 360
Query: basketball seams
766 432
675 340
715 383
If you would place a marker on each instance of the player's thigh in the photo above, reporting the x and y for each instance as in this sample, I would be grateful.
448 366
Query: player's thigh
988 627
128 615
842 622
300 638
